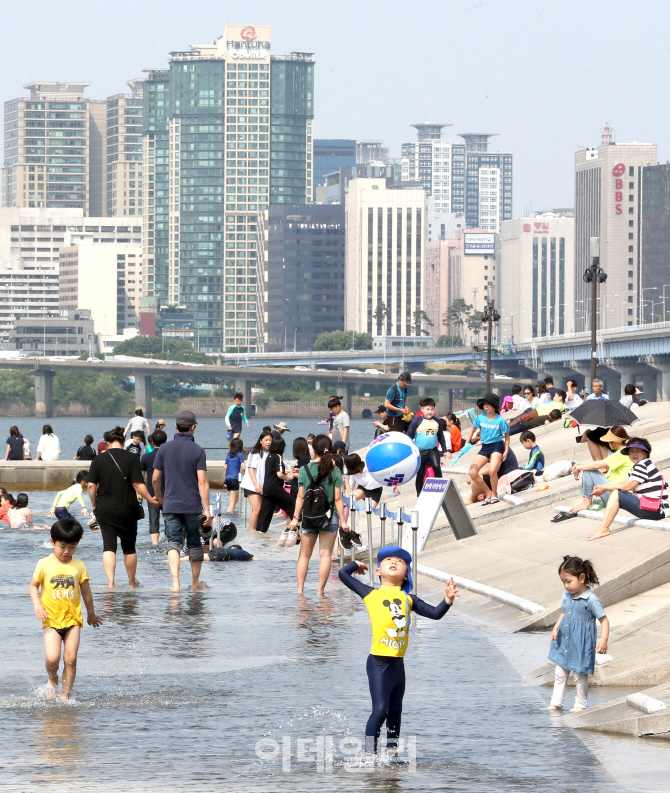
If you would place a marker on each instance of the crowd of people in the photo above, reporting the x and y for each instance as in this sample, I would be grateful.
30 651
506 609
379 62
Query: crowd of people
135 466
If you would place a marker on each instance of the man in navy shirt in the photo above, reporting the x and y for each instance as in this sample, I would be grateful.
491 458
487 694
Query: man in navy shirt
396 403
185 495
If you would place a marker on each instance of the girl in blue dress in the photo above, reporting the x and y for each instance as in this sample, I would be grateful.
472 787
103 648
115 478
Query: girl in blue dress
574 640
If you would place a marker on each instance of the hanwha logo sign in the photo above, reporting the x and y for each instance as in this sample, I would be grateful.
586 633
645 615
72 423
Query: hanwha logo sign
618 170
248 33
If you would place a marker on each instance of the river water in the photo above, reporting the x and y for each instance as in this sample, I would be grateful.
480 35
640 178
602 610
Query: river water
200 691
210 432
248 687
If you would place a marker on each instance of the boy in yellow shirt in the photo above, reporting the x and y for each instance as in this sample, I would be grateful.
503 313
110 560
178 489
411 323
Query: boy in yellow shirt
64 581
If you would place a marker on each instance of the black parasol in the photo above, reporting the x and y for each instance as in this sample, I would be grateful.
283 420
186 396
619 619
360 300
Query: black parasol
603 413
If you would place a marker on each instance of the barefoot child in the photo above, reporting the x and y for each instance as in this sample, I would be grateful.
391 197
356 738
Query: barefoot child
495 445
389 610
64 581
574 640
233 464
65 498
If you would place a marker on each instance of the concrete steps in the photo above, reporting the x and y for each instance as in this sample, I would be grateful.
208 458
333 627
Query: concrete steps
619 717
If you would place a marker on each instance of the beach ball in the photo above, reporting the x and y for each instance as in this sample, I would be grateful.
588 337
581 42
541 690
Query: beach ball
392 459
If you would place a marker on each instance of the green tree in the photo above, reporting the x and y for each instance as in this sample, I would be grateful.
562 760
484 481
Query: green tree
17 387
152 347
102 391
380 316
475 322
420 317
457 314
449 341
341 340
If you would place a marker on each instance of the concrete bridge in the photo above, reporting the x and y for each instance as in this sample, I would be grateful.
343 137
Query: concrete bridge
44 370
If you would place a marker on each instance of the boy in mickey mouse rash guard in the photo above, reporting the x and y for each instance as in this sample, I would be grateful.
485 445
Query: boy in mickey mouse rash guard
389 610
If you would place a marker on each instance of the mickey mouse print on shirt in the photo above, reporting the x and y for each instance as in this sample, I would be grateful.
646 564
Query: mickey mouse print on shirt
398 617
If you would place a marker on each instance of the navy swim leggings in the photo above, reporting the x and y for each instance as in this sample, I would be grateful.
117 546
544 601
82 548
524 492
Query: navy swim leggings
386 676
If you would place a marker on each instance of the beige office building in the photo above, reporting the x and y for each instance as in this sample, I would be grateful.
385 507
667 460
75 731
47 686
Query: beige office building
385 256
123 179
104 279
472 271
536 277
437 283
607 205
55 143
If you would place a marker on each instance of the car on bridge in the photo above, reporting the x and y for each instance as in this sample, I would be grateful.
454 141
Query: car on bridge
419 374
301 369
373 371
354 371
93 359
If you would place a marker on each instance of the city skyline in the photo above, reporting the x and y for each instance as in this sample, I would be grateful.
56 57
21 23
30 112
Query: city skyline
558 85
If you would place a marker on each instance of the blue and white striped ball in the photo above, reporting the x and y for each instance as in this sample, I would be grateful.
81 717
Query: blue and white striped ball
392 459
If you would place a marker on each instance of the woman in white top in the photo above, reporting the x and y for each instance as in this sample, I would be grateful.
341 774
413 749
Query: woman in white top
138 422
530 395
254 476
48 447
572 400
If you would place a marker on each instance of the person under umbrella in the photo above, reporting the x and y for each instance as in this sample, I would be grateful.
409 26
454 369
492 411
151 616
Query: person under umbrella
602 414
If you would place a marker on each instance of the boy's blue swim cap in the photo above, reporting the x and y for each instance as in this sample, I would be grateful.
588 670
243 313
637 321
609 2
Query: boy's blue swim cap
400 553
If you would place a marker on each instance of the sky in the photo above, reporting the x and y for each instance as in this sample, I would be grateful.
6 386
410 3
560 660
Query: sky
544 76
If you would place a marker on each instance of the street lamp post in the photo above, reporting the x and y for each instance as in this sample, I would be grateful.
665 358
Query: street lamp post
594 275
490 316
648 289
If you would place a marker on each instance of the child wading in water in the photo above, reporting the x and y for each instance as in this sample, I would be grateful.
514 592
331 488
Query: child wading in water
494 448
574 640
64 581
389 610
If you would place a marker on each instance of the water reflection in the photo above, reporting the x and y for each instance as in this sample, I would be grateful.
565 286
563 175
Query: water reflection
59 744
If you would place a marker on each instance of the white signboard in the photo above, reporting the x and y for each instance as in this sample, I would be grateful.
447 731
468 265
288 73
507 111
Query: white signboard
479 244
439 494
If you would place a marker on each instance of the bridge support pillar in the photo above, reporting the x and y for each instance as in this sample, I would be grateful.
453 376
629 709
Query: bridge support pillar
244 387
143 393
445 401
348 396
650 384
44 394
422 390
664 382
627 370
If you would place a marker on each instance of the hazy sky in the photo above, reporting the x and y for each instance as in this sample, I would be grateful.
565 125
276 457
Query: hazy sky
545 76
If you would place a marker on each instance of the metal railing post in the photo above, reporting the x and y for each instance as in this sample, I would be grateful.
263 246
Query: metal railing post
368 511
399 524
415 561
382 522
352 515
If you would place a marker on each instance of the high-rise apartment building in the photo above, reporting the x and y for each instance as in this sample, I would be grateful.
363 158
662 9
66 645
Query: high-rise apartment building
124 152
536 277
607 205
330 155
227 131
488 183
438 164
371 152
461 177
385 254
55 149
304 279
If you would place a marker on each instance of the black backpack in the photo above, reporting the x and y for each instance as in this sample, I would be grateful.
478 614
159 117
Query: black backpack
316 510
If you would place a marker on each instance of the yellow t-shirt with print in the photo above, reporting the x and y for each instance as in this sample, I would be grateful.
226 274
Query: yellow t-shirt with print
389 610
61 593
618 466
